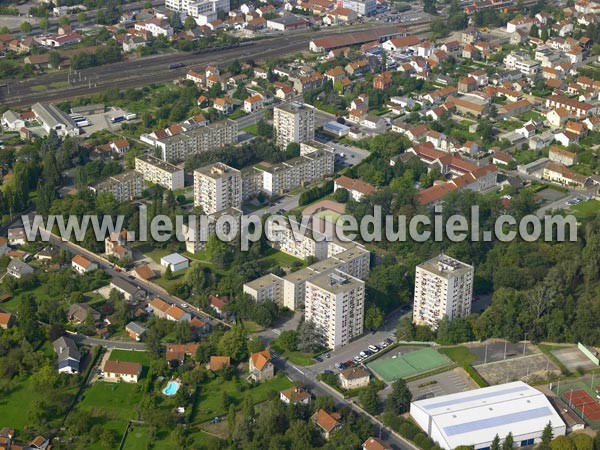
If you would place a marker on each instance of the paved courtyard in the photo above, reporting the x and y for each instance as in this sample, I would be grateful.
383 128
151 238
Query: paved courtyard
573 359
450 382
523 368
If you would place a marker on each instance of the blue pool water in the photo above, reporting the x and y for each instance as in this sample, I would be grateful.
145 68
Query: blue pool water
171 388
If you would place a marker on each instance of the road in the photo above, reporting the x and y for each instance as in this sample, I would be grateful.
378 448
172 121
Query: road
154 69
82 339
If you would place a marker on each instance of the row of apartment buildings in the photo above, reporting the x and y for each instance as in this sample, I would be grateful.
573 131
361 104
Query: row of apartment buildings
331 291
193 139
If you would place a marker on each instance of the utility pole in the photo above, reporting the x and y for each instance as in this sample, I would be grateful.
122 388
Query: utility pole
505 344
525 344
485 357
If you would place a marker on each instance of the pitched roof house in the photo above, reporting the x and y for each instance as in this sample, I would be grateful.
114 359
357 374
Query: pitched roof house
261 368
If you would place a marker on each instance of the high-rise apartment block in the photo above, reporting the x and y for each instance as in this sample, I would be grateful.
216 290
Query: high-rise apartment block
124 186
203 11
335 304
443 287
217 187
160 172
197 140
293 122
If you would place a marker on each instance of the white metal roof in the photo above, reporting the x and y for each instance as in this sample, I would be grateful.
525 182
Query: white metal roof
173 258
475 417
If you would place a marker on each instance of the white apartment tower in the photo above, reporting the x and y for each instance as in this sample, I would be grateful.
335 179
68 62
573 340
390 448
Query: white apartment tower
294 122
217 187
443 287
334 302
203 11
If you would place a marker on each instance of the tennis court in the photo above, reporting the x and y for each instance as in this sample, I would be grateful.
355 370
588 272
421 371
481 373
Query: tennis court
394 365
585 403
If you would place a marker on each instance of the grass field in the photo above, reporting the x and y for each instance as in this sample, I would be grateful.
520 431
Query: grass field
460 355
328 215
111 405
130 356
210 397
587 209
409 364
139 439
16 406
252 129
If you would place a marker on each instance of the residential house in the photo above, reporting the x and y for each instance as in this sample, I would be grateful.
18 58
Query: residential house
326 422
68 355
46 255
129 372
217 303
557 117
354 378
383 81
374 443
163 310
564 157
17 268
129 291
135 330
223 105
117 246
82 265
3 245
356 188
253 103
295 395
218 363
6 319
176 353
79 312
559 173
261 368
144 272
16 236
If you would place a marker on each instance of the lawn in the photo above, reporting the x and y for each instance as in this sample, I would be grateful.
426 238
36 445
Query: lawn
139 439
281 258
210 399
16 406
237 114
299 358
156 254
252 129
111 404
460 355
251 327
586 209
130 356
171 285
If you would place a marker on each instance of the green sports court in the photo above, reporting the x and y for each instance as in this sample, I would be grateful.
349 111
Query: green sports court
393 366
329 215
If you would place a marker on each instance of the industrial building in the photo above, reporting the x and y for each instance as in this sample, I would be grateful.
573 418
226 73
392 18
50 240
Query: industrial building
473 418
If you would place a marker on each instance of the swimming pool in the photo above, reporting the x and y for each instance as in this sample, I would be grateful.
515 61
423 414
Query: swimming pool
172 388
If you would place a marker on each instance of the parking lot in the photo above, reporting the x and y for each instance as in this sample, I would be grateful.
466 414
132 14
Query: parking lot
572 358
450 382
102 121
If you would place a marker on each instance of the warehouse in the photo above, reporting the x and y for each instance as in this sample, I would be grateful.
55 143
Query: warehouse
473 418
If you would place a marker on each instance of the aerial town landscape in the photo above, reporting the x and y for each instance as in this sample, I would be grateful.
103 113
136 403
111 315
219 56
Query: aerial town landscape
461 313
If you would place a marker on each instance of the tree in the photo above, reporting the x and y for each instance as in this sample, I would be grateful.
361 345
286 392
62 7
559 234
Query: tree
534 31
241 93
398 401
373 318
168 273
233 344
547 436
54 62
369 401
44 24
63 21
25 28
308 338
341 195
544 34
509 442
582 441
81 18
288 340
189 23
562 443
180 437
496 443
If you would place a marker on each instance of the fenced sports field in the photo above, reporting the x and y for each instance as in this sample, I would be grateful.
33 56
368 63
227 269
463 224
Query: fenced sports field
396 364
581 396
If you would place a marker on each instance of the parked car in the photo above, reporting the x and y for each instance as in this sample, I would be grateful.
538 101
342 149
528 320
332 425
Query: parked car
318 358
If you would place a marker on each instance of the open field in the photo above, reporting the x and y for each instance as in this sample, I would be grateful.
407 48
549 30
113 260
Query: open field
210 399
111 405
130 356
584 210
394 365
